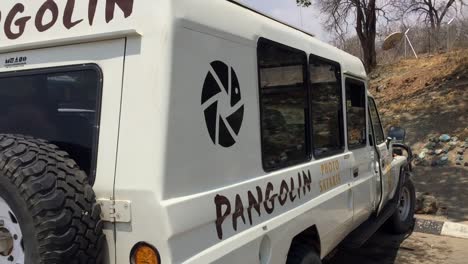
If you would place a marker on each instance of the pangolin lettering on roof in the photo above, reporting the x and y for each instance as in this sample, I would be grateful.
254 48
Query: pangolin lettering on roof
16 20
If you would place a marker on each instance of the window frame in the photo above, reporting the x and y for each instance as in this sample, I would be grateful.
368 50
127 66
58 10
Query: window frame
369 99
342 123
307 139
100 84
364 83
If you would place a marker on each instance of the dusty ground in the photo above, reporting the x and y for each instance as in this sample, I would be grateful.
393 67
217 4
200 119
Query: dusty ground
429 97
416 249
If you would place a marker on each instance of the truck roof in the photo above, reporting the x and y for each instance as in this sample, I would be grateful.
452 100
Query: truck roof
37 24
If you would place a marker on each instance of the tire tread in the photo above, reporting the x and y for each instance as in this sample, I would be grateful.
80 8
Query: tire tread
62 203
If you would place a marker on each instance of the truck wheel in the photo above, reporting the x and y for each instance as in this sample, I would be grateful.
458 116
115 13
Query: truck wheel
48 211
403 218
302 254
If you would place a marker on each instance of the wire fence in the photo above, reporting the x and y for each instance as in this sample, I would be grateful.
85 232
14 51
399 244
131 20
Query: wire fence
420 41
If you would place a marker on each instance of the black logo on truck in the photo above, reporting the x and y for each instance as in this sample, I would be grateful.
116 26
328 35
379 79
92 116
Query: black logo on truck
15 61
222 104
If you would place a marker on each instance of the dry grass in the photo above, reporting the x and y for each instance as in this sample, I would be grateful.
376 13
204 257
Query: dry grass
425 87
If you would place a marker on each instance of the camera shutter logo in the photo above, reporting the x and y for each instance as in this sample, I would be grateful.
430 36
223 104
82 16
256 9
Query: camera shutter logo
222 104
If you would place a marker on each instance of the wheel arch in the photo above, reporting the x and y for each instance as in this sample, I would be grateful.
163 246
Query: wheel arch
309 236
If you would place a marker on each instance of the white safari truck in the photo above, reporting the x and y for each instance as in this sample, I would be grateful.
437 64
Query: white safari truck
183 131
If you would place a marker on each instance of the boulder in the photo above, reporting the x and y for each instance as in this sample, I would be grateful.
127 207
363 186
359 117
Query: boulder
426 204
422 155
443 160
445 138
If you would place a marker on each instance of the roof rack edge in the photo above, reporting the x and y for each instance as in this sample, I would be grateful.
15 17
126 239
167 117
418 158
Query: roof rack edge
270 17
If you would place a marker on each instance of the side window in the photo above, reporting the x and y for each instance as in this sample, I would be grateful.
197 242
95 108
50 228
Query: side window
356 113
376 124
60 105
326 104
283 103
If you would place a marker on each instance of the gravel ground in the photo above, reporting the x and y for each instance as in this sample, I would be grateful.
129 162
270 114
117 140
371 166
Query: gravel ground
417 248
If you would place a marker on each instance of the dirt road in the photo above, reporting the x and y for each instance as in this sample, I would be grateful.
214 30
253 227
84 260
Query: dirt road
418 248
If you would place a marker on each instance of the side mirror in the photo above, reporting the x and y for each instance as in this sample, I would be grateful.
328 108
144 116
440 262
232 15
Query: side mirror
397 133
388 142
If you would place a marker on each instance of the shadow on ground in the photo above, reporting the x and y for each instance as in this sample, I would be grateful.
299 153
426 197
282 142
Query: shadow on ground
449 185
381 248
416 248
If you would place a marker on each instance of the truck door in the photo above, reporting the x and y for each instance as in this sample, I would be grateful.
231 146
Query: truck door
80 93
383 155
361 172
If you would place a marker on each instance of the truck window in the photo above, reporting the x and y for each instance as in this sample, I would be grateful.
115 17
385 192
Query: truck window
59 105
283 105
356 113
376 124
326 104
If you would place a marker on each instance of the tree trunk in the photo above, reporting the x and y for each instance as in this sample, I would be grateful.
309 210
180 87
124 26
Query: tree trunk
370 55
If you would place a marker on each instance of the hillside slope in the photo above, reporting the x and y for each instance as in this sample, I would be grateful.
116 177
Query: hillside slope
429 97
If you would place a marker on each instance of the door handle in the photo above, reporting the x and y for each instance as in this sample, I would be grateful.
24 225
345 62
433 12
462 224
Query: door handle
356 172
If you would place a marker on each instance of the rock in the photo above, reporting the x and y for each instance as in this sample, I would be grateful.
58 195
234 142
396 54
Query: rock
431 145
419 202
460 157
445 138
453 143
466 164
434 163
443 160
454 139
422 155
461 151
459 162
426 204
438 151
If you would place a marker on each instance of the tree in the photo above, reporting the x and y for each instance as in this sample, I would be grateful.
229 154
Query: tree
363 12
432 12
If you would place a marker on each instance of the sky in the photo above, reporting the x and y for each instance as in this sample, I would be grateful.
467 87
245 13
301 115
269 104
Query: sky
308 18
289 12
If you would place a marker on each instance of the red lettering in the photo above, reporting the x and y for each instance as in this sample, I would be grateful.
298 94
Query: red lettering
269 189
51 6
92 11
284 190
291 196
125 5
220 215
20 22
238 213
307 181
254 203
68 14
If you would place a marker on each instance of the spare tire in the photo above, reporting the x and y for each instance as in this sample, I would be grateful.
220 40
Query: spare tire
48 210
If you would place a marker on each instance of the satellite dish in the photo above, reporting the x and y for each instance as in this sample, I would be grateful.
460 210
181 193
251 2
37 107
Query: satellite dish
392 40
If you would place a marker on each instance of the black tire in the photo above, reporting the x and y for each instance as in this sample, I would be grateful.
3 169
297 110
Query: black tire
53 201
300 253
395 223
